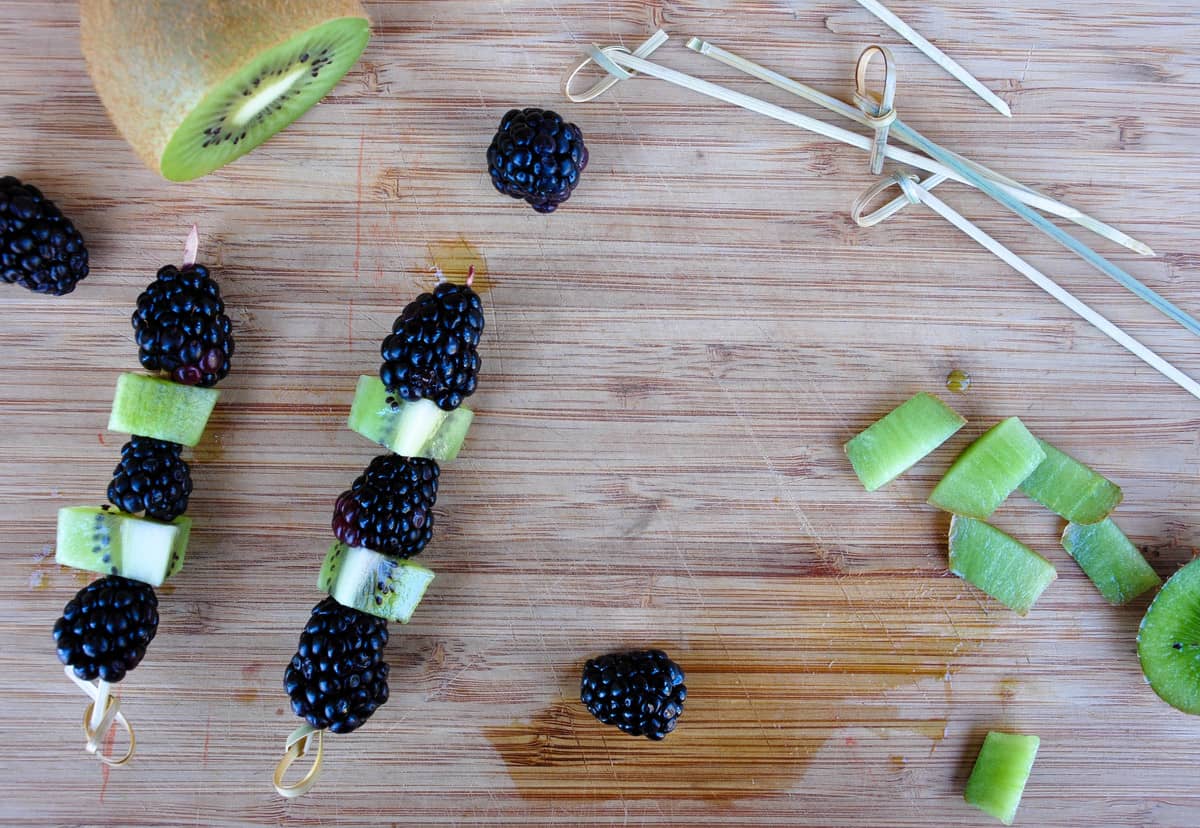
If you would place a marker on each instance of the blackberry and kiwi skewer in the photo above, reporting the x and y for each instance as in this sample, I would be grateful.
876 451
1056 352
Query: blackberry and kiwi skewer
338 677
139 539
195 84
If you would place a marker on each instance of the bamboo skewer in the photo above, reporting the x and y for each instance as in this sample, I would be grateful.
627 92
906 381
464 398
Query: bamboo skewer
935 54
915 193
967 172
1033 197
621 64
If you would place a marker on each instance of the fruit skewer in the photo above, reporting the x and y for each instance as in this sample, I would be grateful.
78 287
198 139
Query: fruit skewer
338 677
182 331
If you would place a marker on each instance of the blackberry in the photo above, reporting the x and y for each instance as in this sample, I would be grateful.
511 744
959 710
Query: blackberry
105 628
432 350
153 478
538 157
39 247
642 693
182 328
389 508
338 676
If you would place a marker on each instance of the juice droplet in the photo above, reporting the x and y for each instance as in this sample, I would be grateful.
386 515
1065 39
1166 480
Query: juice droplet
958 381
454 260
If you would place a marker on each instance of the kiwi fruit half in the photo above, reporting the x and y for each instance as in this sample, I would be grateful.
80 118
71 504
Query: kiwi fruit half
1169 640
195 84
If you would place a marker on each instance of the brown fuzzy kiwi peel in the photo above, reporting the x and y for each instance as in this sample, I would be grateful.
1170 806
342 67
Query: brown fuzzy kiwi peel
154 62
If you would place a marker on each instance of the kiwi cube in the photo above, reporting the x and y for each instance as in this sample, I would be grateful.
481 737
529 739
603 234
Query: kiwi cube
1001 566
1110 560
989 470
901 439
373 583
1001 770
154 407
410 429
1070 489
111 542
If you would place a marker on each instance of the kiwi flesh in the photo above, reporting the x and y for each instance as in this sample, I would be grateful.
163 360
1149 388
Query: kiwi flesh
103 539
154 407
1169 640
1000 565
195 84
1071 489
893 445
989 470
373 583
1001 770
1110 560
410 429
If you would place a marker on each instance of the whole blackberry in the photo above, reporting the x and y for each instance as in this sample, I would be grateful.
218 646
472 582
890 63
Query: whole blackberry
338 676
39 247
432 352
182 328
537 157
105 628
153 478
642 693
389 507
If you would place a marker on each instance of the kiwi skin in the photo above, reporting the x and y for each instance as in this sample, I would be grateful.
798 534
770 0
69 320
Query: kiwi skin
154 61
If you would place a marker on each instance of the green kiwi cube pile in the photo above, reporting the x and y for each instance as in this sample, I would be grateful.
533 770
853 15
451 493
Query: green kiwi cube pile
989 470
1001 770
901 439
373 583
153 407
1000 565
1070 489
105 540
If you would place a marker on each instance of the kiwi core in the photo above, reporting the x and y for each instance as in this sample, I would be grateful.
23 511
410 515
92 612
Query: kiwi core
266 96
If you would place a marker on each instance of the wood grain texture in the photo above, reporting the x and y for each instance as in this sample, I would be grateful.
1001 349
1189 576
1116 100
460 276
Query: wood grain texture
671 365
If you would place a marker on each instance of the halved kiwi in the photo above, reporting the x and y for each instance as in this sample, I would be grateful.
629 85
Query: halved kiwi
1169 640
194 84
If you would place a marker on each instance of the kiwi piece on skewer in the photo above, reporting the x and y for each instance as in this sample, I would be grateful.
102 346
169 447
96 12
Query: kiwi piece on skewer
195 84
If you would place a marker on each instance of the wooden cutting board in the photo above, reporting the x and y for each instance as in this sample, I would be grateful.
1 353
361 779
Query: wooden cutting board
671 365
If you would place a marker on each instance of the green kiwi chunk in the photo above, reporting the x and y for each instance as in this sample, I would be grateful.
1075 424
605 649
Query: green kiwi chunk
158 408
103 539
1070 489
410 429
1110 560
901 439
1169 640
373 583
1001 566
989 470
1001 770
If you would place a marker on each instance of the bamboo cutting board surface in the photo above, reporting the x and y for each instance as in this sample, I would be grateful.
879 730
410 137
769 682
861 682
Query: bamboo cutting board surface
671 365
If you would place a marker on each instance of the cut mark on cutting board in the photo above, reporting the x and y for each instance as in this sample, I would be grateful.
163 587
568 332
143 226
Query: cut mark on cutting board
750 726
